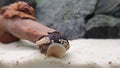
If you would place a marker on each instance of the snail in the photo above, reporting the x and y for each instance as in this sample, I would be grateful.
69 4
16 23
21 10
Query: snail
53 45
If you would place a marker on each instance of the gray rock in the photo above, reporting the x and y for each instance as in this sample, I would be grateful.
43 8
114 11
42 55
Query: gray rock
108 7
66 16
105 7
102 26
104 21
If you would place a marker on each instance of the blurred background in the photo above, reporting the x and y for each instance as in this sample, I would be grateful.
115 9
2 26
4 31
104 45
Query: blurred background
78 18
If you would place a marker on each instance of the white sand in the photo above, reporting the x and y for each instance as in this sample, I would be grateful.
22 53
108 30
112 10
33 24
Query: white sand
82 54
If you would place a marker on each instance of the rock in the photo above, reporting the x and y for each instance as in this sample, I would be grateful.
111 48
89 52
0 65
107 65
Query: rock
66 16
104 21
102 26
105 7
108 7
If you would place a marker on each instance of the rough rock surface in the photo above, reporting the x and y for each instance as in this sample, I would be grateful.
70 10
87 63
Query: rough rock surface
105 21
108 7
102 26
67 16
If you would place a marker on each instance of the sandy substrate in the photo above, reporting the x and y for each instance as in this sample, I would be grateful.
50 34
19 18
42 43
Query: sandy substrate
82 54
